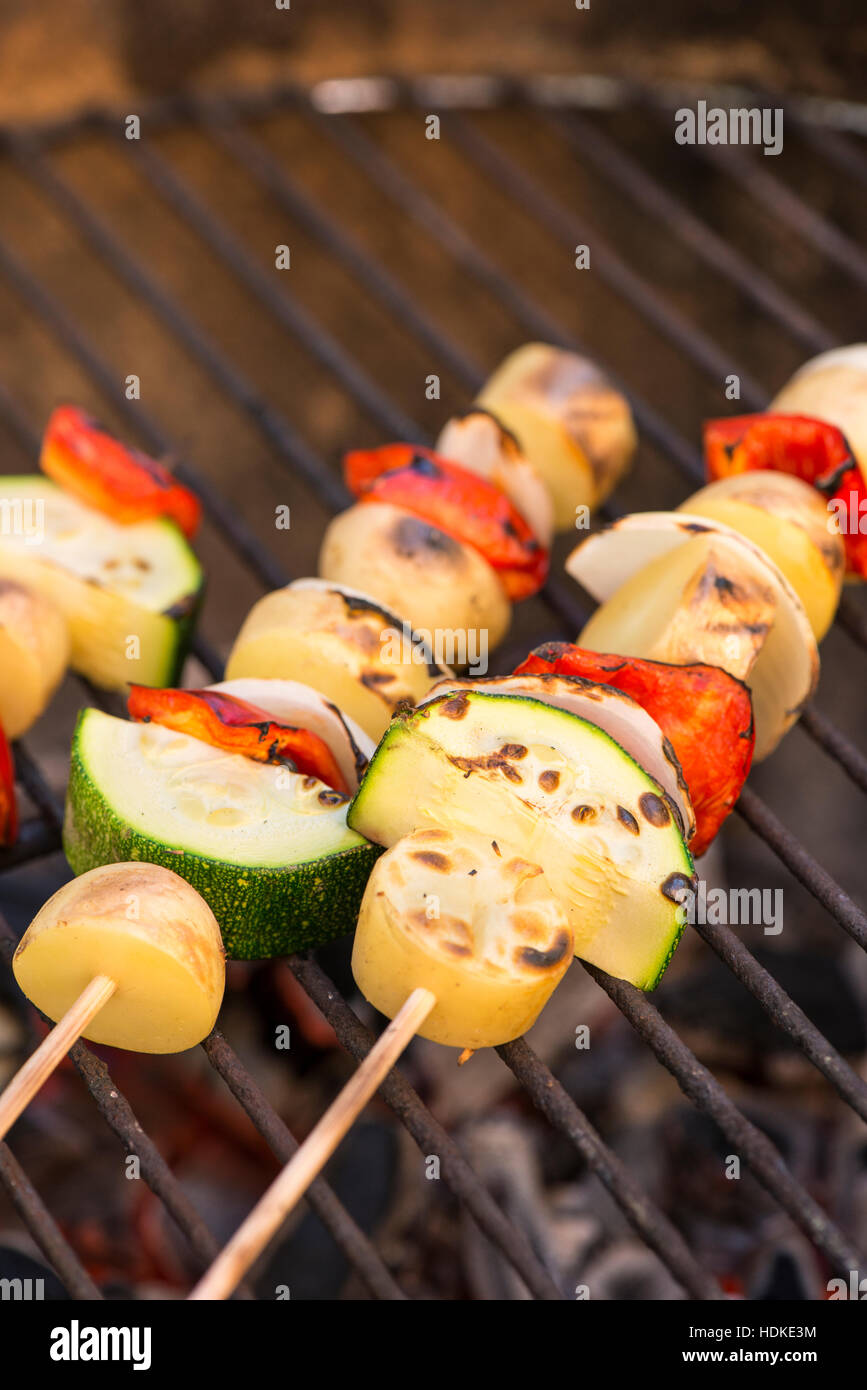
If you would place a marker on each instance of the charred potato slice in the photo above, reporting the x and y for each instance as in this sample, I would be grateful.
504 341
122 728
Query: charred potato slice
343 643
572 424
439 583
681 588
479 928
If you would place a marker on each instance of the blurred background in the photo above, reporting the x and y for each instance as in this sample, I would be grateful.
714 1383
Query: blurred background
156 258
72 52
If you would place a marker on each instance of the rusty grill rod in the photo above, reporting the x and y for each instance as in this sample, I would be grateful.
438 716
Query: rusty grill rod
227 374
701 1087
45 1230
547 1094
618 168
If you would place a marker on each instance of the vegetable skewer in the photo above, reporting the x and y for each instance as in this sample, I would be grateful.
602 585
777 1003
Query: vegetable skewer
451 537
398 946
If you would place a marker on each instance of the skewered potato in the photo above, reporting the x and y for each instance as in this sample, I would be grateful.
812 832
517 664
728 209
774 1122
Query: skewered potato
147 930
438 582
342 642
788 519
480 929
680 588
34 651
575 428
833 387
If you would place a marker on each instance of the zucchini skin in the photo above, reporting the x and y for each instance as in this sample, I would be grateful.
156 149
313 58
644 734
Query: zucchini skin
262 912
184 618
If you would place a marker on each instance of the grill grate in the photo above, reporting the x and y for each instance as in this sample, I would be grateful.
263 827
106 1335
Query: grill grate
335 112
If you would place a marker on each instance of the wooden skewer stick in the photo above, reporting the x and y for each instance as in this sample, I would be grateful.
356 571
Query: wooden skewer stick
53 1048
287 1190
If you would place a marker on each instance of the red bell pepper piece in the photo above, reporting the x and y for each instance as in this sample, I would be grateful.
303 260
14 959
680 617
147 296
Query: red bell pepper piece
8 805
810 449
237 727
86 460
705 713
457 501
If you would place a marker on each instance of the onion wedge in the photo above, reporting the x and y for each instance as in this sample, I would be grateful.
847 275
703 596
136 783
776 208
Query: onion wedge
833 387
290 702
480 442
680 588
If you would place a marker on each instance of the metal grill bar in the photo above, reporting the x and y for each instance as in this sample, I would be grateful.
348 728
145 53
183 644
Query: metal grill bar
567 227
283 1144
588 142
251 155
755 1148
836 744
786 1014
838 149
222 128
45 1230
801 863
771 193
286 310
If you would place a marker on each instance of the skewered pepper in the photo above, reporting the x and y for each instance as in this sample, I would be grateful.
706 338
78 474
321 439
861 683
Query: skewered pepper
810 449
238 727
88 461
458 502
704 712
